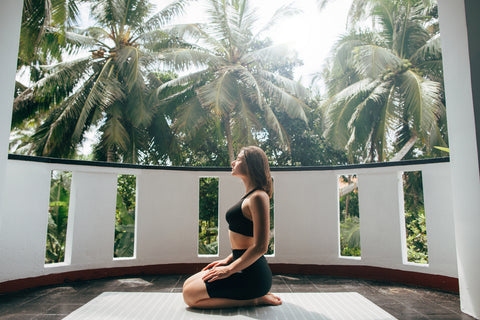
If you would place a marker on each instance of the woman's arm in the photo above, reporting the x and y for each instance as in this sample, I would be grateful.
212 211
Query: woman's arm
218 263
259 208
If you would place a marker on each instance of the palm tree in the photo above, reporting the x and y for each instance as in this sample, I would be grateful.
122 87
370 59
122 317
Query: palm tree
43 39
43 30
108 88
233 86
386 85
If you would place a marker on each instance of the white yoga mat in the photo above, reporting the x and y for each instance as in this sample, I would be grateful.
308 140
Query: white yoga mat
159 305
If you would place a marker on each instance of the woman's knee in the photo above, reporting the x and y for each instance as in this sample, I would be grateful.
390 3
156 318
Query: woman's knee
194 291
188 295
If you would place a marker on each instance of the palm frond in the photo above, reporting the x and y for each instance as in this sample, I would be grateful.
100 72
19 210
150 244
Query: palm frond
197 33
422 99
274 124
165 15
127 61
100 95
341 108
285 101
372 61
289 85
81 41
114 131
278 52
249 86
164 91
184 59
190 117
59 82
431 49
243 125
219 94
220 20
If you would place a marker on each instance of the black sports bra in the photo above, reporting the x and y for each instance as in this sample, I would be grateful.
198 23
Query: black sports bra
237 222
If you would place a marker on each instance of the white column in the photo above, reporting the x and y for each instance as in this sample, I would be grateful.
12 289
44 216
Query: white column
10 20
463 150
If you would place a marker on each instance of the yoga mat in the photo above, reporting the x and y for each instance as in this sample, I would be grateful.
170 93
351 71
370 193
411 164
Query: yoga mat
160 305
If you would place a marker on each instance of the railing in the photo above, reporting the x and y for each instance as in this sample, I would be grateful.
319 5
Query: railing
306 216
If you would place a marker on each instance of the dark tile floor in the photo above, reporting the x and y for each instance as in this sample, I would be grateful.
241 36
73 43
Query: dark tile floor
403 302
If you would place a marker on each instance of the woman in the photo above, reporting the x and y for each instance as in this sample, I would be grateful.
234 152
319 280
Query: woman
243 278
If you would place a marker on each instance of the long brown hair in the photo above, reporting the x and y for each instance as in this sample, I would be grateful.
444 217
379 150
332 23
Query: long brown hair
258 168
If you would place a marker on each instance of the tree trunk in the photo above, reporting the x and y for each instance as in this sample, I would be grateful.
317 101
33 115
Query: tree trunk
347 199
228 133
400 154
110 154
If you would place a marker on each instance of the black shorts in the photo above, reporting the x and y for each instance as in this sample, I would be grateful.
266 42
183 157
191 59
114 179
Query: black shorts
253 282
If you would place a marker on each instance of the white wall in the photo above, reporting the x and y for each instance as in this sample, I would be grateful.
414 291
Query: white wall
306 218
10 19
463 150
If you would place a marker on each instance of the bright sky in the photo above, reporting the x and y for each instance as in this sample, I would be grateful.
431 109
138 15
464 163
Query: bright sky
311 33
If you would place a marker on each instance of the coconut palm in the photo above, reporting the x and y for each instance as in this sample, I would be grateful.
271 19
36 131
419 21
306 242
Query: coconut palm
43 30
107 88
385 85
233 85
45 24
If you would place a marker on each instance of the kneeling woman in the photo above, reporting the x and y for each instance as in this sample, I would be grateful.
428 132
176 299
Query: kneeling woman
243 278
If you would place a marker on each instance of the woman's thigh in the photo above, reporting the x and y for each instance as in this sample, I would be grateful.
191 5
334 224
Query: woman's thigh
194 289
194 277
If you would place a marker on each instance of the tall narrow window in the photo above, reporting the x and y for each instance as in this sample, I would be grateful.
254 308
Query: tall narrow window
415 226
125 217
60 182
208 216
349 216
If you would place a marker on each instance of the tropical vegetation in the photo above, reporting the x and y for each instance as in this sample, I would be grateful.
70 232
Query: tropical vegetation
124 245
156 91
108 89
385 85
58 216
236 83
415 224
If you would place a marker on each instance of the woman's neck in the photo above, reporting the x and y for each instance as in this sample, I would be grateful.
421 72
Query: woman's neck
249 186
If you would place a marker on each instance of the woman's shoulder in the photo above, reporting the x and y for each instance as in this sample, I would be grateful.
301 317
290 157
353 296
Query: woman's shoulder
259 195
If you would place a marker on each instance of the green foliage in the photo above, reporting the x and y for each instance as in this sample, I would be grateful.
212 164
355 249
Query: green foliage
58 216
109 90
125 216
385 85
349 203
350 237
208 216
417 249
416 236
238 77
308 147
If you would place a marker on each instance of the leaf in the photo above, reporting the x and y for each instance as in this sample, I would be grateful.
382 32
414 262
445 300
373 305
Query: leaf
442 149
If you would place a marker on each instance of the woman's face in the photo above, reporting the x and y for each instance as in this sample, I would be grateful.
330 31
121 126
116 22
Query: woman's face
239 166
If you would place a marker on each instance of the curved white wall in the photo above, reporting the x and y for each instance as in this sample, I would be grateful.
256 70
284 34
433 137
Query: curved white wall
10 19
306 218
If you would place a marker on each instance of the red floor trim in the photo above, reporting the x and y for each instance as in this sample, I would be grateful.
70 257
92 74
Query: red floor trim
360 272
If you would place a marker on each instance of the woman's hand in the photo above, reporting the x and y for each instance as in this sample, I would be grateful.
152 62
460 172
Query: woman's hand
217 273
217 263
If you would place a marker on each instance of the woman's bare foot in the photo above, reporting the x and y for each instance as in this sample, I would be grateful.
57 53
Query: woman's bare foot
269 299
